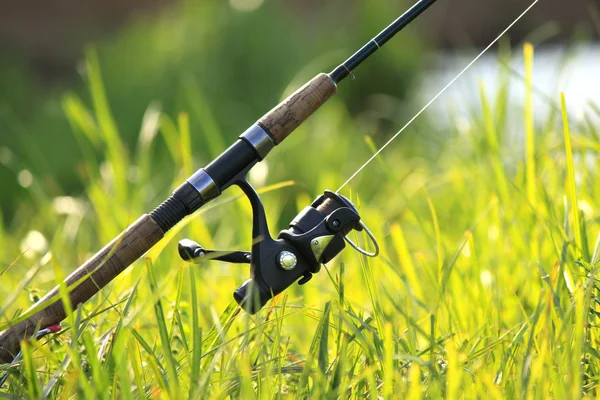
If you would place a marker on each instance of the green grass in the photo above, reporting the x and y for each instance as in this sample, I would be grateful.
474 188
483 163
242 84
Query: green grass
486 285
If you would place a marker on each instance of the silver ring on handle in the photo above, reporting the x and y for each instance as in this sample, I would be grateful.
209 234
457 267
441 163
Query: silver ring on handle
373 240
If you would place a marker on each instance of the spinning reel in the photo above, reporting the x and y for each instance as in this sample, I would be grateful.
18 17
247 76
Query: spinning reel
314 237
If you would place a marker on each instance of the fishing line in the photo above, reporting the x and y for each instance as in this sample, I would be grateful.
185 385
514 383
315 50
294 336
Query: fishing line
437 96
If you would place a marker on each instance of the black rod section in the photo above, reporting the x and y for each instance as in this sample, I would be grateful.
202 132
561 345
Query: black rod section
346 68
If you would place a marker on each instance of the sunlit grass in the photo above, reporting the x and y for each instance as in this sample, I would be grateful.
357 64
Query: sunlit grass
486 285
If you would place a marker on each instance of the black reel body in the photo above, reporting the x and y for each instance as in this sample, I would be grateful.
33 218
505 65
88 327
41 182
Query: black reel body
314 237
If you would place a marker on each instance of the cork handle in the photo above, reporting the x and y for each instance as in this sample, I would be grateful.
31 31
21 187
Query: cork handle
86 281
290 113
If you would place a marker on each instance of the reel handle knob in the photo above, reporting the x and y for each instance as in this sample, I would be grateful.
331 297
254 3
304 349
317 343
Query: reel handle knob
190 250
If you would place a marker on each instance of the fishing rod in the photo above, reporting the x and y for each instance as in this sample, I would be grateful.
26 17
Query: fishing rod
313 238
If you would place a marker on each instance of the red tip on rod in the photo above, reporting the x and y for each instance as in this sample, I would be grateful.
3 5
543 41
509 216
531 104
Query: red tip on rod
54 328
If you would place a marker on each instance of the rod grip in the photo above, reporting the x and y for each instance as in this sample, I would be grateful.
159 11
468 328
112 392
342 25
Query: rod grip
85 281
290 113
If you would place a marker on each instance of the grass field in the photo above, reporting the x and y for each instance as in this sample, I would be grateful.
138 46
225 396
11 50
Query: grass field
486 285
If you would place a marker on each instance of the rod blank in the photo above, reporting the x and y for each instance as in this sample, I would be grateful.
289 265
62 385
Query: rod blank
346 68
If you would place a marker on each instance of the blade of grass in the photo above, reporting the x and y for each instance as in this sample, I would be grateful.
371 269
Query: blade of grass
172 384
571 187
530 166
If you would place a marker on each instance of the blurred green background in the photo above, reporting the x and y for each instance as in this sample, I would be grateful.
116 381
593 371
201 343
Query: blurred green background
223 62
223 66
486 220
100 121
